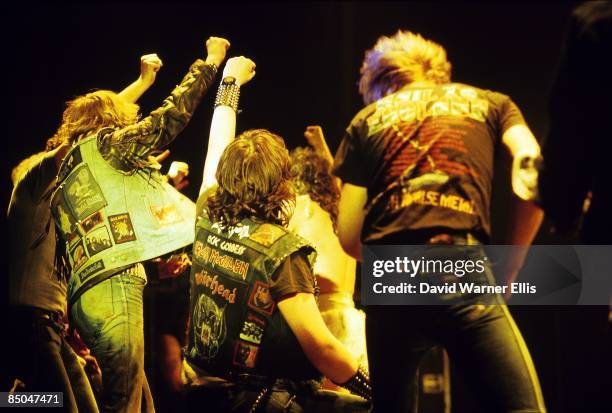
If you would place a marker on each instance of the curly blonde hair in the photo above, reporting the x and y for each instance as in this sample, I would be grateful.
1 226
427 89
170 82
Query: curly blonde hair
254 181
91 112
399 60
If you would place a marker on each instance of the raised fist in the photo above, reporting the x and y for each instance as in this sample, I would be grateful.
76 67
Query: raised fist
216 48
240 68
149 66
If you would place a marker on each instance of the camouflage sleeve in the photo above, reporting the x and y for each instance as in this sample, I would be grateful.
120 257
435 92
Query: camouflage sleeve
129 147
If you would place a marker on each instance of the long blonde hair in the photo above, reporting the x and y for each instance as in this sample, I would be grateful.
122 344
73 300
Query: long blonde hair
399 60
91 112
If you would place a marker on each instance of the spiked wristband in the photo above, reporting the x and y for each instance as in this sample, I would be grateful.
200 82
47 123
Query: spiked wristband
228 94
359 384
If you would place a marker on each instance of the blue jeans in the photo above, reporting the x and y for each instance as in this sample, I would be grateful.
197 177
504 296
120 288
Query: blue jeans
109 318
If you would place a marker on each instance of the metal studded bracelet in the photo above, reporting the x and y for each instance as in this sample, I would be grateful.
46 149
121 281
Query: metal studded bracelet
228 95
359 384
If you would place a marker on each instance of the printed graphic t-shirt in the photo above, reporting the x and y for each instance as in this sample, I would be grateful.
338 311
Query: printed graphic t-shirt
425 155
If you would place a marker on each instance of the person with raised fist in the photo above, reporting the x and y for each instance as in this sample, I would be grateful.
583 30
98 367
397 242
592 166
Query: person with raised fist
113 210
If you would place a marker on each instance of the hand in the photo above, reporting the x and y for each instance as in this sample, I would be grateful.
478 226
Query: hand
173 266
177 173
314 136
240 68
91 366
525 175
316 139
149 66
216 48
154 162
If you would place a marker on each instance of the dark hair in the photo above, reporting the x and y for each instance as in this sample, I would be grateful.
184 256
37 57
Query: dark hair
313 177
254 177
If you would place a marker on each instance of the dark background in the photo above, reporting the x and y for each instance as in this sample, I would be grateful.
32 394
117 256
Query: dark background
308 57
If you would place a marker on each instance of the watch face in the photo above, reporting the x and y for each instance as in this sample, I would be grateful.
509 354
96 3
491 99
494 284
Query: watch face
229 80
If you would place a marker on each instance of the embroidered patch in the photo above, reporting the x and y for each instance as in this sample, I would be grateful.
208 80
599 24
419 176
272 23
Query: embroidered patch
92 221
166 214
245 355
122 229
63 218
91 270
267 234
98 240
253 329
82 193
260 299
78 256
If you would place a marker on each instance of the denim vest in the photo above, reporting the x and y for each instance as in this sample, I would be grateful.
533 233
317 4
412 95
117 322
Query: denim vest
110 219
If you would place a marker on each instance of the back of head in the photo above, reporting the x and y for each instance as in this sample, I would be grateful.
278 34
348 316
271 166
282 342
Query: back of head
397 61
254 178
313 177
91 112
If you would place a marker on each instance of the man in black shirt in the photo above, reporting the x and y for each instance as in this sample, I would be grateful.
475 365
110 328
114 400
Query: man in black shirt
416 165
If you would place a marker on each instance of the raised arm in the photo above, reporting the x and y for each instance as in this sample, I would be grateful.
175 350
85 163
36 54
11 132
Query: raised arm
149 66
238 71
137 141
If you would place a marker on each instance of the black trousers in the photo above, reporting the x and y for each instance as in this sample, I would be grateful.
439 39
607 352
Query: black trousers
482 341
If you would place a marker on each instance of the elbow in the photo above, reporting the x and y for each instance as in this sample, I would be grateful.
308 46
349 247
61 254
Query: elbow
351 245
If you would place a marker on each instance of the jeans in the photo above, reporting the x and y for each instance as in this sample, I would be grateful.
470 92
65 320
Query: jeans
44 361
480 336
284 396
109 319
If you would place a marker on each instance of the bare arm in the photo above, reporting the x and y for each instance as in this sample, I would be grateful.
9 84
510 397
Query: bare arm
223 125
316 139
524 149
351 214
149 66
323 350
525 217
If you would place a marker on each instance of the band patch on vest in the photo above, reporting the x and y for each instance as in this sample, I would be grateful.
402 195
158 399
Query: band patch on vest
92 269
121 228
253 329
98 240
209 327
215 258
78 256
245 354
267 234
226 288
260 299
92 221
83 194
73 159
64 219
166 214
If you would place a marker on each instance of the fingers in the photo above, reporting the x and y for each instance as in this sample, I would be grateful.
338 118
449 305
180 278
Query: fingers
151 60
178 168
162 155
218 41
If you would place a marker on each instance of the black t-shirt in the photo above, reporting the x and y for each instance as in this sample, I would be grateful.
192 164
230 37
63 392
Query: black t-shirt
425 155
